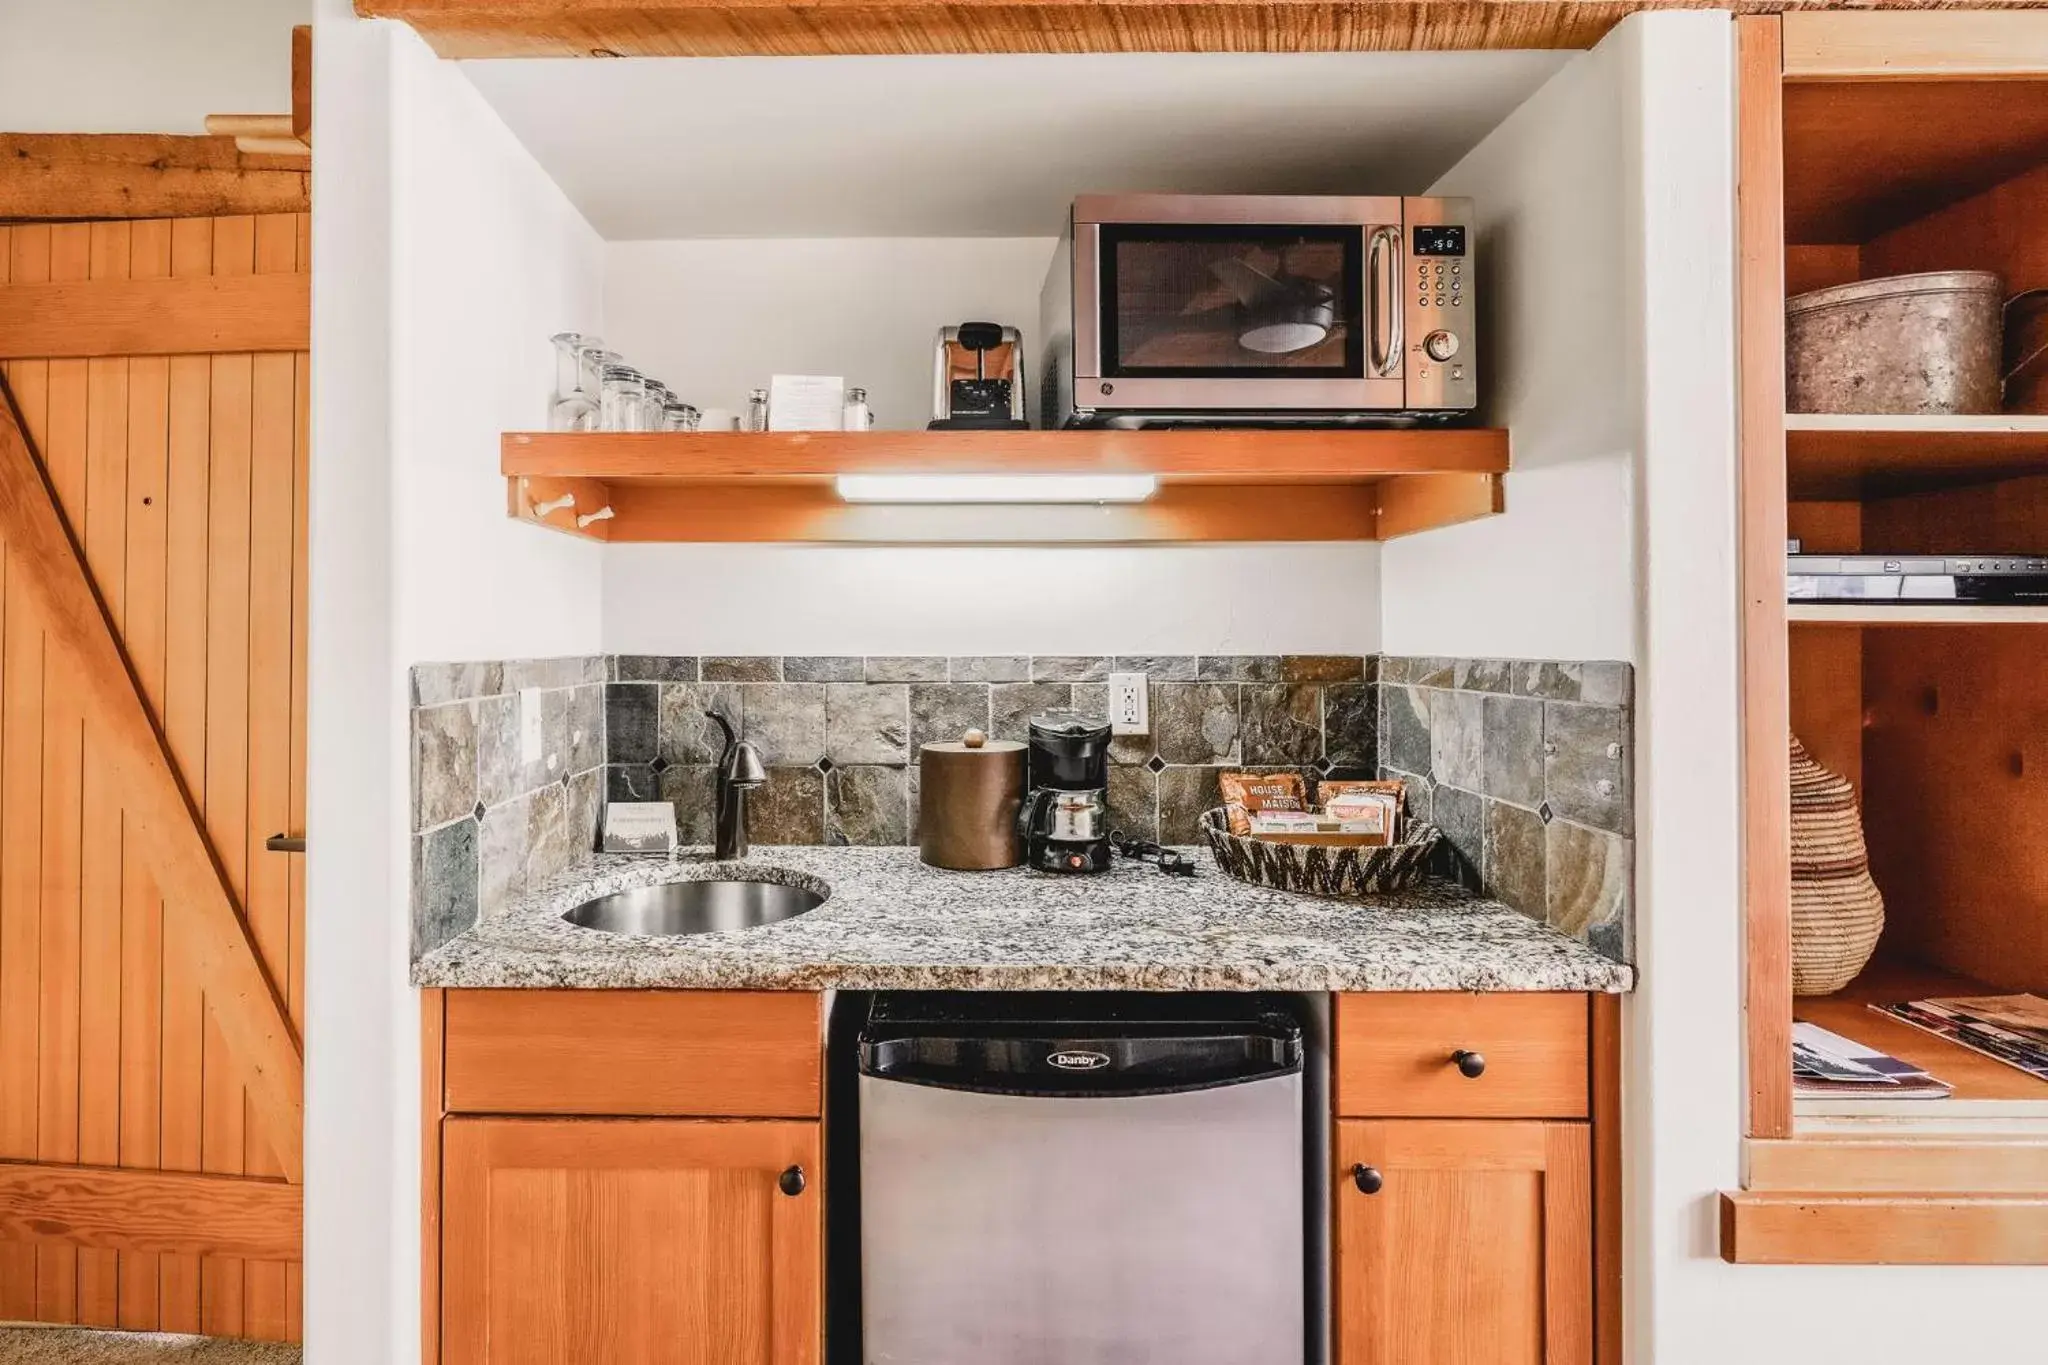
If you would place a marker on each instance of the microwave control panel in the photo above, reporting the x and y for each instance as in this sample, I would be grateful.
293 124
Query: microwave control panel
1439 361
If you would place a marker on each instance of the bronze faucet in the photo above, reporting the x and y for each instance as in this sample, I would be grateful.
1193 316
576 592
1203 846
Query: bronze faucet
739 768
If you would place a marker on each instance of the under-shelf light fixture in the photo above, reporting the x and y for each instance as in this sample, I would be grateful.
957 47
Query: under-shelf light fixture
997 488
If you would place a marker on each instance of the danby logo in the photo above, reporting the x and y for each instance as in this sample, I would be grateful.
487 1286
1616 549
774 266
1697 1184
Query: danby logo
1078 1060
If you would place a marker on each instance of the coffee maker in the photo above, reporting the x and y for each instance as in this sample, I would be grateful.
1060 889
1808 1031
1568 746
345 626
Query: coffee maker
1064 823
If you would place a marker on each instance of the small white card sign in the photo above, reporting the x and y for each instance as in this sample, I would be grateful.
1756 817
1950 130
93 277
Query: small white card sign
639 827
806 402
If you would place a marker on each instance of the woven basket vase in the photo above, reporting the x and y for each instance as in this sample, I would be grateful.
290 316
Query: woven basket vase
1837 913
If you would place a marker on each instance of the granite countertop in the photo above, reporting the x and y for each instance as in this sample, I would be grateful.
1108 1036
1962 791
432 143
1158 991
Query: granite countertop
891 923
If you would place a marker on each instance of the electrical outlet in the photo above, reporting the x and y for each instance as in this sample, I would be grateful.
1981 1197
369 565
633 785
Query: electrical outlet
1128 714
529 725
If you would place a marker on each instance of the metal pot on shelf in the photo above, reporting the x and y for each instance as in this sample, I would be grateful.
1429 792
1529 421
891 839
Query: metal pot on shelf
1922 344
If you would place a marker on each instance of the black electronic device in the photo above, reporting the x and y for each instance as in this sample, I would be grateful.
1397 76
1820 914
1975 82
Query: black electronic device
1982 579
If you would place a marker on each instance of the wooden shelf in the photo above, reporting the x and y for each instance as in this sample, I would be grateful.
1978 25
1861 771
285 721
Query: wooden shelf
1852 456
1977 1079
1911 614
1227 485
1865 156
1772 1228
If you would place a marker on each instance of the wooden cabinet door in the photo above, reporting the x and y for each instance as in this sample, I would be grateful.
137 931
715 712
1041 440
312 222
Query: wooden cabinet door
569 1241
1475 1249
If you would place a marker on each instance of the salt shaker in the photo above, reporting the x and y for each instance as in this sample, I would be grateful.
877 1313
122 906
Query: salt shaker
757 410
856 415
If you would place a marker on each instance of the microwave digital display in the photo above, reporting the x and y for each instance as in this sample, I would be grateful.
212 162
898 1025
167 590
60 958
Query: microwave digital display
1440 241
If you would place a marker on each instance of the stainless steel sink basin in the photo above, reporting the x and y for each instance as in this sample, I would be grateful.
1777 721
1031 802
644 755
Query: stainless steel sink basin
700 907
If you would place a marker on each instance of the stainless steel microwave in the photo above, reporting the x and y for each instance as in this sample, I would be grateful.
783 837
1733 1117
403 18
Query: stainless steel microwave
1186 309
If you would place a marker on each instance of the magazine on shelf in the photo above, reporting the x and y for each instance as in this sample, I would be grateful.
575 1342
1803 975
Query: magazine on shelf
2007 1028
1825 1063
2026 1015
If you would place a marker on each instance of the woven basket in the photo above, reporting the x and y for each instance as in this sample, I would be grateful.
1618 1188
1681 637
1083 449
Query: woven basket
1837 913
1317 871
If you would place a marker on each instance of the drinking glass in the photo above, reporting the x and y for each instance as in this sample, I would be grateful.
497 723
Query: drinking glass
623 406
654 415
575 403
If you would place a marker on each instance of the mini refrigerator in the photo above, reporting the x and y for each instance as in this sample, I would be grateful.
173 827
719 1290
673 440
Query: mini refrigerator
1082 1179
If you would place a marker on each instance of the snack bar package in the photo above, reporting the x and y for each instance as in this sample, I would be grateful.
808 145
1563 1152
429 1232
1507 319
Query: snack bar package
1246 794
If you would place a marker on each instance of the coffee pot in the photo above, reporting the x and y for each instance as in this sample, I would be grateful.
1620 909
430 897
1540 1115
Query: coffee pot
1064 822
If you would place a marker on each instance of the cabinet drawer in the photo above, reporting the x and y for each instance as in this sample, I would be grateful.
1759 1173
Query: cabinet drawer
712 1054
1397 1056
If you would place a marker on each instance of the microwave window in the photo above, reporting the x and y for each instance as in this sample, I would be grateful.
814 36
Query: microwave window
1222 302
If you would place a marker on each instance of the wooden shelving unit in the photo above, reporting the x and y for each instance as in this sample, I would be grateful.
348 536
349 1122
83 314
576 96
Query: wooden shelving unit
1853 457
1872 145
1234 485
1912 614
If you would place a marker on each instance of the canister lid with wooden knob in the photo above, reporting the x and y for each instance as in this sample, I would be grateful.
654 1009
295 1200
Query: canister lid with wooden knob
969 791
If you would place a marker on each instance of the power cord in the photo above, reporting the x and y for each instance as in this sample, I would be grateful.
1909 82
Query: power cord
1170 861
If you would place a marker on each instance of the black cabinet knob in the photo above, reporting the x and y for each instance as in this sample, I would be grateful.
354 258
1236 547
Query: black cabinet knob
1470 1064
791 1181
1367 1178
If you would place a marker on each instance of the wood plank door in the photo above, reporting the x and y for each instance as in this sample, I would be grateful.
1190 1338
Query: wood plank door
685 1241
1464 1243
179 464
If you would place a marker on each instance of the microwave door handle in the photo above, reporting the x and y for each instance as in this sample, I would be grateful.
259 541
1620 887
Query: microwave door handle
1383 266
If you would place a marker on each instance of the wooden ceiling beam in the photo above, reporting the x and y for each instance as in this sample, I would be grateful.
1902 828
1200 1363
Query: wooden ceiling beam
793 28
727 28
142 175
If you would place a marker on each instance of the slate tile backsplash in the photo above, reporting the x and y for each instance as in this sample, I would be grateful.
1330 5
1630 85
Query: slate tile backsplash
485 822
1524 765
841 734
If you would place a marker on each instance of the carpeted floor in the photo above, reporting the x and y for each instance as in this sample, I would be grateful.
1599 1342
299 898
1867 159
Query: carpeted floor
74 1346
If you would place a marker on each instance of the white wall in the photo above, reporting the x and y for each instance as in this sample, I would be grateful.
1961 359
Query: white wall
361 1296
1184 599
1551 578
444 258
488 261
714 318
739 148
143 66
